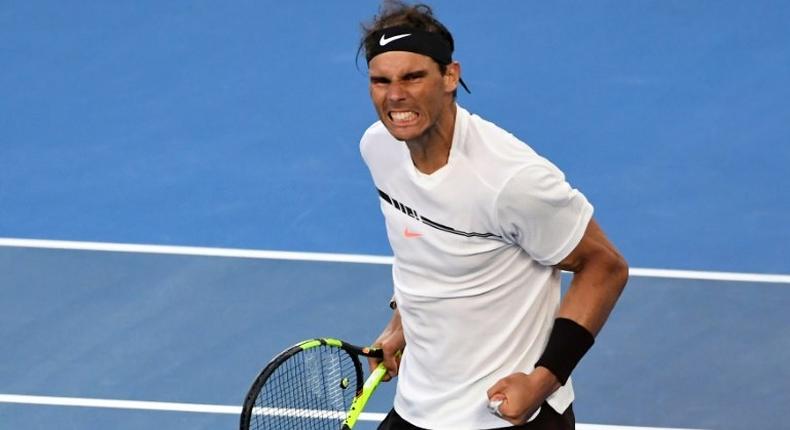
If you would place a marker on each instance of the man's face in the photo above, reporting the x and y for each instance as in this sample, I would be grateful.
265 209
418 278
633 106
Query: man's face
409 93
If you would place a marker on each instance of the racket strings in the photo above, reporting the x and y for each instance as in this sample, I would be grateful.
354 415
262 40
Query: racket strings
313 389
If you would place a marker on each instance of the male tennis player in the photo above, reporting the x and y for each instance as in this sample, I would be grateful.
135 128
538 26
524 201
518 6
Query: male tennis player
480 226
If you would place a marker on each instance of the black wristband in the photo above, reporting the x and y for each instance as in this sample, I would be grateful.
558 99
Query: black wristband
568 343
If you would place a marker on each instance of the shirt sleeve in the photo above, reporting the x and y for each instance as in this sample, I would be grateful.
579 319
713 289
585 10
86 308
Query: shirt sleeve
539 211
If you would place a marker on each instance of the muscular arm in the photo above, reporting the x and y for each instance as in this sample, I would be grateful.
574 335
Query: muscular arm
599 276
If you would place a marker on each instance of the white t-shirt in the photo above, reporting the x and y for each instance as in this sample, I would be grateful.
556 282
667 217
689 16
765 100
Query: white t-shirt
474 245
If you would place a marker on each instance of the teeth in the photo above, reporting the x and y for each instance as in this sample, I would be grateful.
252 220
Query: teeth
403 116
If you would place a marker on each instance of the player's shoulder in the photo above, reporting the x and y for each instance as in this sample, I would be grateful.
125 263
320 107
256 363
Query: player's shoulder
374 135
496 153
376 131
499 142
379 148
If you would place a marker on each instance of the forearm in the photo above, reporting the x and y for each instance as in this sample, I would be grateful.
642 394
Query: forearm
392 342
593 292
394 324
599 276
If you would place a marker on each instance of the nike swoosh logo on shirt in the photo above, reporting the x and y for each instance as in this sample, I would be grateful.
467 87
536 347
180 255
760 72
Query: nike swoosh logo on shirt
411 234
384 40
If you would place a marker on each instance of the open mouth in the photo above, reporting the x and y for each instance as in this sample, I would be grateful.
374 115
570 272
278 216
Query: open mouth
403 117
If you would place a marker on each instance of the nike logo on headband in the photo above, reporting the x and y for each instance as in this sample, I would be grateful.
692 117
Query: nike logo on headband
384 40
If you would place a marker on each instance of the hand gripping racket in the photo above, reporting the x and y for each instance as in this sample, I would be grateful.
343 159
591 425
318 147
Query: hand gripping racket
316 384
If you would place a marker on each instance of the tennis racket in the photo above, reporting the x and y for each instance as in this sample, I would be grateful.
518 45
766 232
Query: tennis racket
316 384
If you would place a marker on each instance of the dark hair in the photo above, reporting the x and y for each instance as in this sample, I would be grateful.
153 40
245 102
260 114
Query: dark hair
397 13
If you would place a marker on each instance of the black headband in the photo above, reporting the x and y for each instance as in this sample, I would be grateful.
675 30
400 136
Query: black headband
401 38
409 39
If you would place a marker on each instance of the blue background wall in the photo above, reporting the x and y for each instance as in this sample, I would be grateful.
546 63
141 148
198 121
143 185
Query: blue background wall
236 124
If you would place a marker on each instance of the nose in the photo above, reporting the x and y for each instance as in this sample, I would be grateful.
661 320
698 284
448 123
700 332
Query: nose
395 92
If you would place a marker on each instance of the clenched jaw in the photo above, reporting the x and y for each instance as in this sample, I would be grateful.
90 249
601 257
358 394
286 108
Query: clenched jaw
403 118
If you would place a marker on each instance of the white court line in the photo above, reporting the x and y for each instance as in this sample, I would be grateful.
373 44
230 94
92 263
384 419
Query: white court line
211 409
141 405
347 258
197 251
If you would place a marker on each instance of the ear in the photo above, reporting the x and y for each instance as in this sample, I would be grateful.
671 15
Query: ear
451 76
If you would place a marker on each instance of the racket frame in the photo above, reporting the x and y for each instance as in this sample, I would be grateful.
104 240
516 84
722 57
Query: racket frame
361 396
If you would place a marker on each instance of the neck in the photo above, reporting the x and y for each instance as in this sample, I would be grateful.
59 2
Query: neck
431 151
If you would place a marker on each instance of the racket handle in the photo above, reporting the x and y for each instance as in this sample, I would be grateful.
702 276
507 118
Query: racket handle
359 402
372 351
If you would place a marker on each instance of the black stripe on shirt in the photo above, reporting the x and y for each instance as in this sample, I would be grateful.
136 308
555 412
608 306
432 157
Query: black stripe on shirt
413 214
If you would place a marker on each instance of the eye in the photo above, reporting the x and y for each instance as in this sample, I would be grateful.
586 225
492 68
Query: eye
414 76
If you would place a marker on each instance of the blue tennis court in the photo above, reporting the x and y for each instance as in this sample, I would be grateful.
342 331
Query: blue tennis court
221 138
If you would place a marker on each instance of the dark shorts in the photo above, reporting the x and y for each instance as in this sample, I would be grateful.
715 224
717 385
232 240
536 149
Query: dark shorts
548 419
